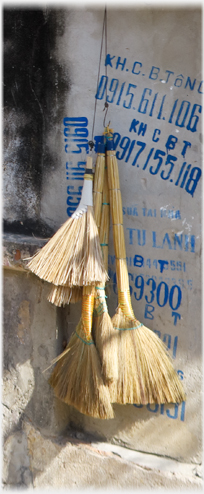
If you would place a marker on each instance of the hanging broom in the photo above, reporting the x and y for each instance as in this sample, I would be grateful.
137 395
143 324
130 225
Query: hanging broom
77 378
103 331
146 373
62 295
73 257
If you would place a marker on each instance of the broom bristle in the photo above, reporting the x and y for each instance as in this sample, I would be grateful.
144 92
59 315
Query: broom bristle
77 380
62 295
106 343
73 255
146 372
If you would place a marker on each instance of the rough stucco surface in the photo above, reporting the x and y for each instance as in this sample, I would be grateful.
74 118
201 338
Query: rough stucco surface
35 461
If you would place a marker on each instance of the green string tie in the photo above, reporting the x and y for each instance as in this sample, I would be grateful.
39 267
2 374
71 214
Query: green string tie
84 341
127 329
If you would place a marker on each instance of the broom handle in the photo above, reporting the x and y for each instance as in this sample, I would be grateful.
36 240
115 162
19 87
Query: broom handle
124 299
98 183
105 221
89 291
100 305
86 196
87 311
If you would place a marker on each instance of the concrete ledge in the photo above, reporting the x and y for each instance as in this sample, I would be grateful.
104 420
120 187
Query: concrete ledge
18 248
35 461
150 461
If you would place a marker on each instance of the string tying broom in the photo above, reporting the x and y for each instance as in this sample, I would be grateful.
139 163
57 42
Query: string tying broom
72 257
146 373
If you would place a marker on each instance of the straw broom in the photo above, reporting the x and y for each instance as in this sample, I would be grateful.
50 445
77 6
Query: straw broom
103 331
146 373
62 295
73 257
77 378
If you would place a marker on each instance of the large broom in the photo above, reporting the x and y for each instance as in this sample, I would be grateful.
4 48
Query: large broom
72 257
63 295
146 374
103 331
77 378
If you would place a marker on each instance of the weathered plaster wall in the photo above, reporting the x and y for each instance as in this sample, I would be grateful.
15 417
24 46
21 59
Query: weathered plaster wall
154 89
35 89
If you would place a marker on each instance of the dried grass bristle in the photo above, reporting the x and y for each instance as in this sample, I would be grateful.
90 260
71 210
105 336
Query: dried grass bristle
146 372
63 295
72 257
77 380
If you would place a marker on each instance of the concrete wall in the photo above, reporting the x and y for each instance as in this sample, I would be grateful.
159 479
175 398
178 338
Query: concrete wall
154 88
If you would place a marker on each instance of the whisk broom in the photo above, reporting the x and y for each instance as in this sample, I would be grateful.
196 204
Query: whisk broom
146 373
77 378
72 257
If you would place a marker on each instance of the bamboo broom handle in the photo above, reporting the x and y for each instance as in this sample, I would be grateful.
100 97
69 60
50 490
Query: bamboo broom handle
88 291
101 213
87 311
105 221
100 297
98 184
124 299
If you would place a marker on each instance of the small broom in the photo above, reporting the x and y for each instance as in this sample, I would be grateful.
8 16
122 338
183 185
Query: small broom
103 331
77 378
73 257
146 373
62 295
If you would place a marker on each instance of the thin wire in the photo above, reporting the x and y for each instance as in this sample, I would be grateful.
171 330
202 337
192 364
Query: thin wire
106 103
105 17
100 56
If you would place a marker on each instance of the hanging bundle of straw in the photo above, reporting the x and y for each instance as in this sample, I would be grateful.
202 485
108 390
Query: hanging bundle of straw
77 378
73 257
146 373
103 332
62 295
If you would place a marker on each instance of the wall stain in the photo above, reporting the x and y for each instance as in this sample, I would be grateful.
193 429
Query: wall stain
35 89
24 317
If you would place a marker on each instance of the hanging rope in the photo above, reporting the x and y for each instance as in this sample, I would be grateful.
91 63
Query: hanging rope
104 31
